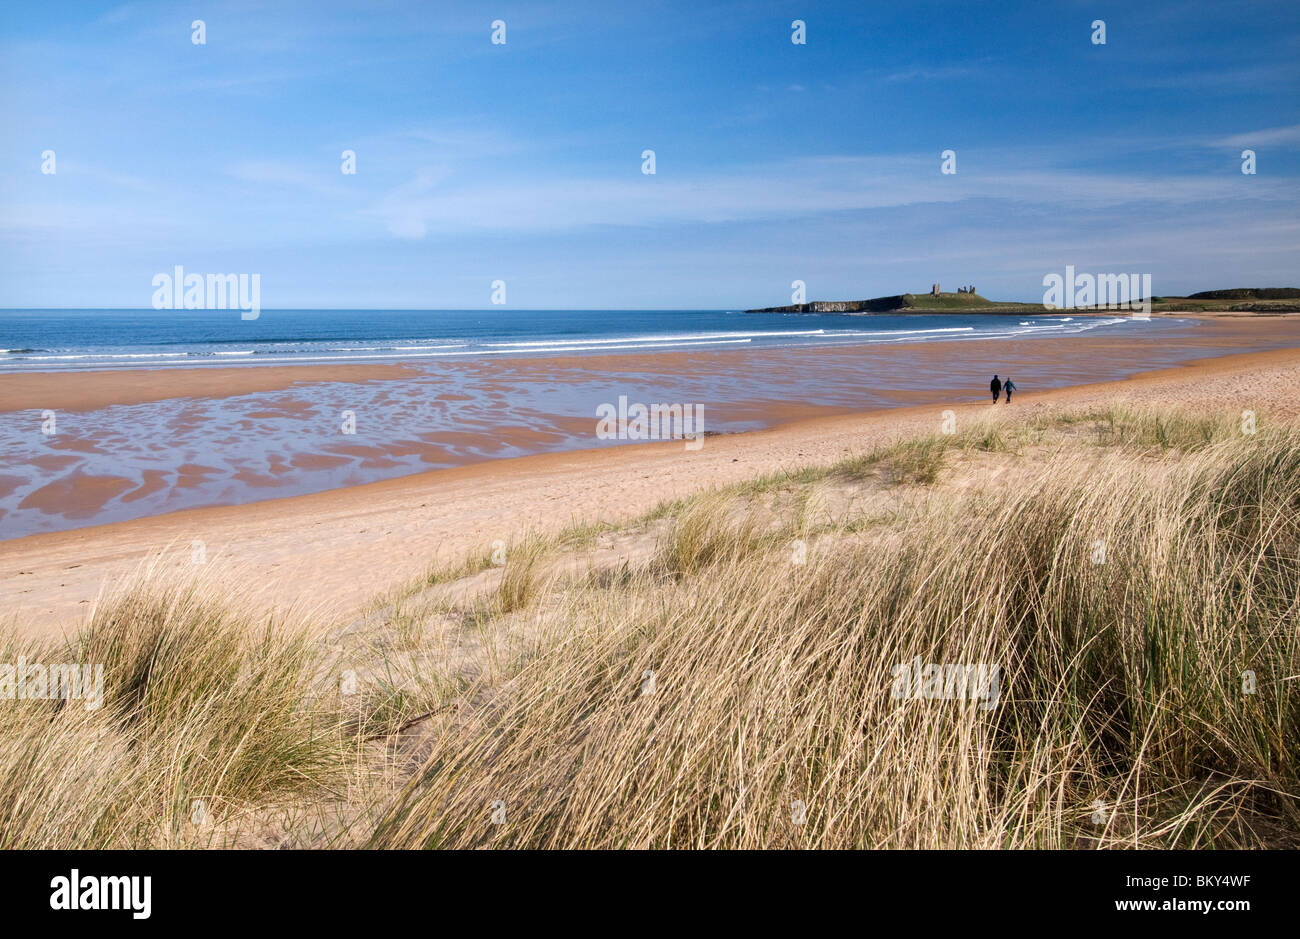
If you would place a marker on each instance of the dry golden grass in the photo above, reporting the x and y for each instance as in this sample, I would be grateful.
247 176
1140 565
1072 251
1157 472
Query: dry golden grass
720 673
207 716
1121 720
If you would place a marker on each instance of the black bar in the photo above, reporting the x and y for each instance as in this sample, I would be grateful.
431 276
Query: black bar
380 890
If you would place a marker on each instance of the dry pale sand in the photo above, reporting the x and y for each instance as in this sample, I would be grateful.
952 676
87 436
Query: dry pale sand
331 552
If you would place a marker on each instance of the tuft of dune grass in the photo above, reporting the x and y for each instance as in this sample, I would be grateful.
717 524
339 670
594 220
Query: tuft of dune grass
707 532
520 579
206 714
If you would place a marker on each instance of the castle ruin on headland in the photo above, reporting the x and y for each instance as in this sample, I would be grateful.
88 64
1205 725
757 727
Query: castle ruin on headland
934 289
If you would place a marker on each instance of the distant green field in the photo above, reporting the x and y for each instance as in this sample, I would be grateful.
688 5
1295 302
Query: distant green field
1198 303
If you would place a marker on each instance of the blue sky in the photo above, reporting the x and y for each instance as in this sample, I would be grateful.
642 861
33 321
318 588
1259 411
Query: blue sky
522 162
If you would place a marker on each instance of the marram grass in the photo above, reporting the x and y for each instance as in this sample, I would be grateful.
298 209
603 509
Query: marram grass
1143 616
1134 577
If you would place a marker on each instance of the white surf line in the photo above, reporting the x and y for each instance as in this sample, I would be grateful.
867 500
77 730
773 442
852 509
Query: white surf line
688 337
344 358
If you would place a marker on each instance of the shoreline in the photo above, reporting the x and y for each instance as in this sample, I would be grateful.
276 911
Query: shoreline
140 443
93 389
343 546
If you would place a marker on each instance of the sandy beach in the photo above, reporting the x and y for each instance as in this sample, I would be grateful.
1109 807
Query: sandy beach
333 551
137 443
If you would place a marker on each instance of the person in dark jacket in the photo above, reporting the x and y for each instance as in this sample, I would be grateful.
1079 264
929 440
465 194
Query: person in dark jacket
1008 386
995 386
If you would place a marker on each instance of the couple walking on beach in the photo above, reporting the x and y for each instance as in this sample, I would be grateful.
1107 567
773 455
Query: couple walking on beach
997 385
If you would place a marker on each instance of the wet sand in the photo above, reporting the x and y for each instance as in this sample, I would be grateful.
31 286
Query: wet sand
90 390
331 552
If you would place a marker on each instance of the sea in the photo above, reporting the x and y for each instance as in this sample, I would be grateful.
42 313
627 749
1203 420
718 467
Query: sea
46 340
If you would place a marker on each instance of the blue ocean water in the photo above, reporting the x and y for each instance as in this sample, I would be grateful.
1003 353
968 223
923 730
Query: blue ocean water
46 340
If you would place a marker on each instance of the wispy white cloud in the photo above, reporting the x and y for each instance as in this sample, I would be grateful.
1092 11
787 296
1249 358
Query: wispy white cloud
280 173
1231 78
466 142
1260 138
253 80
72 168
406 210
448 202
120 14
941 73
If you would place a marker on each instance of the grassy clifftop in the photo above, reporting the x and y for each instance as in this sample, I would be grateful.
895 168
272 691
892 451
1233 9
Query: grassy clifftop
911 303
1249 293
1238 300
963 302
